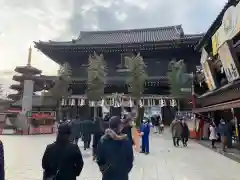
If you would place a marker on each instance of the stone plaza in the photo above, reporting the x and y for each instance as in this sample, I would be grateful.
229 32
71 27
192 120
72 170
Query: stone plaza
23 161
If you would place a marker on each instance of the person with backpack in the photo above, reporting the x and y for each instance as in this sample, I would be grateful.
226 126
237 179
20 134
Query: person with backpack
62 159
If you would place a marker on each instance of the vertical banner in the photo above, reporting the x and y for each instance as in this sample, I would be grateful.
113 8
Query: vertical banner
229 61
207 70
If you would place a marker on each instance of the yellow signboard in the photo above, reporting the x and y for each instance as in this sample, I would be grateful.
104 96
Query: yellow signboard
207 71
229 28
228 62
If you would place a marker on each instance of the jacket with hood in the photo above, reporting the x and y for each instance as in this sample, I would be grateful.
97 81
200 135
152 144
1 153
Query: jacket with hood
114 156
176 129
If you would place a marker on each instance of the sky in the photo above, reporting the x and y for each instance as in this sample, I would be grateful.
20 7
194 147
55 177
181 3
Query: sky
25 21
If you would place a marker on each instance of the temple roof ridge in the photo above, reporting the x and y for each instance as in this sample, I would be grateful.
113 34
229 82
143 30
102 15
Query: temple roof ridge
83 33
120 37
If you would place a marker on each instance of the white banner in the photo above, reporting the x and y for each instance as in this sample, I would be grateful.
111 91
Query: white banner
228 63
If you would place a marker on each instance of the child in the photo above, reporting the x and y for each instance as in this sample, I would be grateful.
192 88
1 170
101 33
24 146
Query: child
145 130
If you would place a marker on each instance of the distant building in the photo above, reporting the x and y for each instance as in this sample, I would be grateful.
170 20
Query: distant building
158 46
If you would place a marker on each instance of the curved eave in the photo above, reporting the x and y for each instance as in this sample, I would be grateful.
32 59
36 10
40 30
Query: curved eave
73 44
14 97
215 25
19 87
27 70
21 78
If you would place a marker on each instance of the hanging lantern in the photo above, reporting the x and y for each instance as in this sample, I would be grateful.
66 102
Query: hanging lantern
130 102
91 103
79 102
73 102
63 102
112 102
149 102
173 103
116 102
140 103
82 102
153 102
115 105
102 103
162 103
121 102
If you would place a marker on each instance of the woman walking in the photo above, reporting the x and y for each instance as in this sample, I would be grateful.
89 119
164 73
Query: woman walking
185 133
98 132
213 134
62 159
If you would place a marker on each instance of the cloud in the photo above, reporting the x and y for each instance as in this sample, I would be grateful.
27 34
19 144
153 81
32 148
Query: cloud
25 21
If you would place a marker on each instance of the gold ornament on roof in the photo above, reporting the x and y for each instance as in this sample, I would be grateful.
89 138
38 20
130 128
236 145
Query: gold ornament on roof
29 56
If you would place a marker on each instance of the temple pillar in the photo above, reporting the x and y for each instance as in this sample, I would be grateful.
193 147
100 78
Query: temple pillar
26 104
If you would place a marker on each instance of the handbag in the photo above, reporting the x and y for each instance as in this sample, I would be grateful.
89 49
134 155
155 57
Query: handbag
53 177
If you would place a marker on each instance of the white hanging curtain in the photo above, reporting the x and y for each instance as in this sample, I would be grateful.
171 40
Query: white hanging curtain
149 102
73 102
116 103
91 103
102 103
173 102
79 102
162 103
153 102
130 102
82 102
121 102
63 102
112 103
141 103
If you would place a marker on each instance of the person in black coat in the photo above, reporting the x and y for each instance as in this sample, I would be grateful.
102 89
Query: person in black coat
127 128
98 132
114 153
76 129
87 128
62 160
2 169
185 133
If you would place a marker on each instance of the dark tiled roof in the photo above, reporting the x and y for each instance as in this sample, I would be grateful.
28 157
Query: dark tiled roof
131 36
38 101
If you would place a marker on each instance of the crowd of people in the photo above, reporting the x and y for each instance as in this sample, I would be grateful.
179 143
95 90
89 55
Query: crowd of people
112 146
223 133
180 131
110 137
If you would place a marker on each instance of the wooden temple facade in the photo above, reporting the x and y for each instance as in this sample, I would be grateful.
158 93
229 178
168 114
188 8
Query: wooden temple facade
218 77
157 46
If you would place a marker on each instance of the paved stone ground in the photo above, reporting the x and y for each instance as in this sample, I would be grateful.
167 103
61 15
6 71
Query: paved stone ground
23 161
232 153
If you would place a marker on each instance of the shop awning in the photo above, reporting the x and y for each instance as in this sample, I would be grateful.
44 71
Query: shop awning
221 106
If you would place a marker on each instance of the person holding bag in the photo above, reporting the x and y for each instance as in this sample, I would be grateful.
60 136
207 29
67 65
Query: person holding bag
62 160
